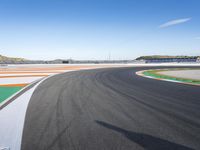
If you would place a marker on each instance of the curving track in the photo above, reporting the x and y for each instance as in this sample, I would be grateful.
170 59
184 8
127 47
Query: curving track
112 109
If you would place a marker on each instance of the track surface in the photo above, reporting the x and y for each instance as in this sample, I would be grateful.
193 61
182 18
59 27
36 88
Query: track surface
112 109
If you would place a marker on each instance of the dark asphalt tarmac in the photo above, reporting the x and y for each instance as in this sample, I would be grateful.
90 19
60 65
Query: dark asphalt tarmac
112 109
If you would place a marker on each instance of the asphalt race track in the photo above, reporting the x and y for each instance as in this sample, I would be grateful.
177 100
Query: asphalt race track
112 109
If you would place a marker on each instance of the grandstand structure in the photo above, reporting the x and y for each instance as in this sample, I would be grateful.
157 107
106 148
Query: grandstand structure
168 59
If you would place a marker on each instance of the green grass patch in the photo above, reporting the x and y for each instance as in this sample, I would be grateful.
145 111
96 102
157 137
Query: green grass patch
6 92
155 73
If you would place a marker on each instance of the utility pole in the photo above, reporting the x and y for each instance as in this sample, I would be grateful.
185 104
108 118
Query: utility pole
109 56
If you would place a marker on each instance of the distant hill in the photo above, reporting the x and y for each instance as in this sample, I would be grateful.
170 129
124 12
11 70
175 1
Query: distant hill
13 60
5 59
163 56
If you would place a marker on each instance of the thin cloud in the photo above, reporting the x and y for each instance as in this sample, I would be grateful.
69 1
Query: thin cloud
198 38
174 22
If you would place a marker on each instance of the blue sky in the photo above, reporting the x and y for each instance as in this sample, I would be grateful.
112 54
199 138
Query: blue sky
91 29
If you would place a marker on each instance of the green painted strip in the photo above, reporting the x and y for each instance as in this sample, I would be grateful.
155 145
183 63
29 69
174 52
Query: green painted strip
153 73
6 92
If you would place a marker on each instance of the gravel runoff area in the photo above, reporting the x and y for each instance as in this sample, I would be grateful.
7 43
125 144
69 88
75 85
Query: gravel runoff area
189 74
182 75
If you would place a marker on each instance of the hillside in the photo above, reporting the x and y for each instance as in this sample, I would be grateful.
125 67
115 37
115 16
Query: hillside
4 59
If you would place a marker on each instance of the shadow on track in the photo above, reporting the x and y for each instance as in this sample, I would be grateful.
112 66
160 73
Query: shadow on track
146 141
